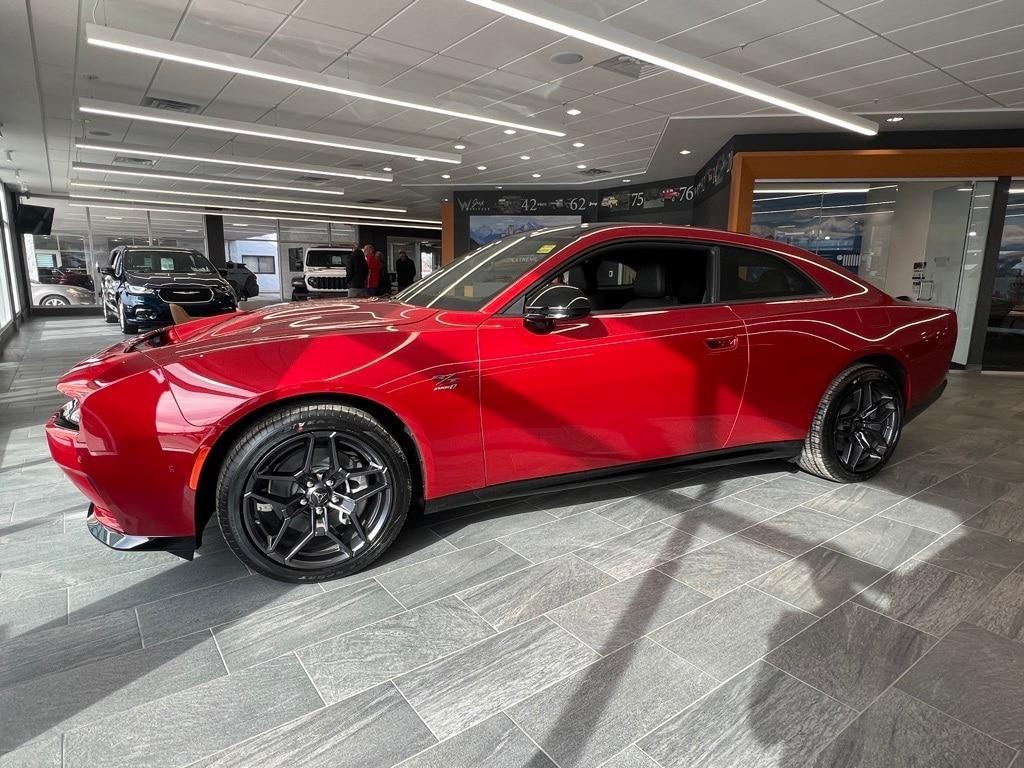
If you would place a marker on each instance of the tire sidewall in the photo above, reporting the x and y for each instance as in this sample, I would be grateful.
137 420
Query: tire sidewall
267 433
853 378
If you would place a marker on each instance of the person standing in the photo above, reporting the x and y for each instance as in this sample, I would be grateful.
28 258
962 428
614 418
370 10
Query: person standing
405 270
373 270
357 271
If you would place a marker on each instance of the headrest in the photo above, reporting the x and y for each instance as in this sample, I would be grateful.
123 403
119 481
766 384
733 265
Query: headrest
650 281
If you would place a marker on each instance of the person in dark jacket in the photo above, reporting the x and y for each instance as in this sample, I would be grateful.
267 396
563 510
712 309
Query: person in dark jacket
405 270
356 269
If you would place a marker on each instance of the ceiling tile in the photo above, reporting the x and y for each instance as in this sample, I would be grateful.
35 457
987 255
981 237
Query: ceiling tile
358 16
963 26
888 16
660 19
190 84
417 24
990 44
500 43
437 75
988 66
378 61
308 45
227 25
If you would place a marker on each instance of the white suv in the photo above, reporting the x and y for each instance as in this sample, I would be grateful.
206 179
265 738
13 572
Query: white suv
324 273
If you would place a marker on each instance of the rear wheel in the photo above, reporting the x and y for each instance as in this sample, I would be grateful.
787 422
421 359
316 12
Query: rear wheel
313 492
53 300
856 427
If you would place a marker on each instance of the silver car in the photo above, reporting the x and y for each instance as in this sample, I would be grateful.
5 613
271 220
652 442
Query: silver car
52 295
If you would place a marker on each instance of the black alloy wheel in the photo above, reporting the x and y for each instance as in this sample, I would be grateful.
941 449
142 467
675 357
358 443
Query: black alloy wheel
127 326
313 492
856 427
316 499
867 424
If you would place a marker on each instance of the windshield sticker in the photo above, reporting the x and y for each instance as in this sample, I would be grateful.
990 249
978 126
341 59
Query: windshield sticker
547 248
467 291
166 265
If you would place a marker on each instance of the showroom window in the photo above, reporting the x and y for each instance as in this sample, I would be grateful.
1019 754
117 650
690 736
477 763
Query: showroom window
1004 336
9 300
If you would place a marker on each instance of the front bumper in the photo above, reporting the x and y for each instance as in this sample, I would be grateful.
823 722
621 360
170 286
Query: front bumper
182 546
147 309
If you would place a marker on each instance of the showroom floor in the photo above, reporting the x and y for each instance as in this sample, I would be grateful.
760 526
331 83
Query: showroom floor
746 617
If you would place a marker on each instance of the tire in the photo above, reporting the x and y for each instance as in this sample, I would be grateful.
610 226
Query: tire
263 520
845 443
53 300
127 327
108 316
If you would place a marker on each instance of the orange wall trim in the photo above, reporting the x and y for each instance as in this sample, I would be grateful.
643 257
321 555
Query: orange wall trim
749 167
447 233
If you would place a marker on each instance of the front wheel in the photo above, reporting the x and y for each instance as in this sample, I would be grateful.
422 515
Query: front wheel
856 426
127 326
313 492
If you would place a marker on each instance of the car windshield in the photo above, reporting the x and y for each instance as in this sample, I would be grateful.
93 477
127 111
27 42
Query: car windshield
166 261
470 282
326 258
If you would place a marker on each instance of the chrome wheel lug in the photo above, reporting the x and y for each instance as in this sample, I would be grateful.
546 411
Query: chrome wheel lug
335 498
309 483
303 502
330 483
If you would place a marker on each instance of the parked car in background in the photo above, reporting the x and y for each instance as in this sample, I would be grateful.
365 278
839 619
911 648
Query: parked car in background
63 276
243 280
54 295
310 432
142 282
324 274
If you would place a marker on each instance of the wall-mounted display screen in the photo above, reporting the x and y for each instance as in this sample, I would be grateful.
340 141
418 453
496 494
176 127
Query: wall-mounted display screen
486 229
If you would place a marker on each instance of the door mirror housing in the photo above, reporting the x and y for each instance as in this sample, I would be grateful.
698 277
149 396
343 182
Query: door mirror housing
556 302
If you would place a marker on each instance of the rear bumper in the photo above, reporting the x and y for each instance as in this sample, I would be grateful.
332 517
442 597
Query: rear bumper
182 546
927 401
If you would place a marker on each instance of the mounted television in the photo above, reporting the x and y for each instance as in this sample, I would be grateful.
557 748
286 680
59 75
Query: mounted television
33 220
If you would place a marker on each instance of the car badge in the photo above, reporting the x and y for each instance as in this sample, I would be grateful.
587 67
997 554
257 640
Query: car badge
446 381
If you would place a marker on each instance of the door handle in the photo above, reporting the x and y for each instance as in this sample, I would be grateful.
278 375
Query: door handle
722 343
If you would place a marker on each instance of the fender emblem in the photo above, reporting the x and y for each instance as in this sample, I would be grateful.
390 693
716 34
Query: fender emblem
446 381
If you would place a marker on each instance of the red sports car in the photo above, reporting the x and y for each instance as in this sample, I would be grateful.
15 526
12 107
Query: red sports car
546 358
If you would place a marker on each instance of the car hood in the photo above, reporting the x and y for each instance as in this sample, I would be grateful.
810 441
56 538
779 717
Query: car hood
284 322
191 279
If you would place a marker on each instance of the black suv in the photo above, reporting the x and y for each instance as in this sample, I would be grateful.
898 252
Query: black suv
142 282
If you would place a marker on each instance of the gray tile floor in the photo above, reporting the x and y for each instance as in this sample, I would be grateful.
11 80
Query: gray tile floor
752 616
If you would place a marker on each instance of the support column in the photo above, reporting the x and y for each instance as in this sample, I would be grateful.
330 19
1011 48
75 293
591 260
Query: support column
989 263
447 233
215 251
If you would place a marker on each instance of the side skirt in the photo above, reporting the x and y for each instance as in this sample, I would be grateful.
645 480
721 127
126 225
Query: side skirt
782 450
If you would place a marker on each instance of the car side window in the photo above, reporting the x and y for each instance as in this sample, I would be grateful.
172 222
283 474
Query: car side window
745 275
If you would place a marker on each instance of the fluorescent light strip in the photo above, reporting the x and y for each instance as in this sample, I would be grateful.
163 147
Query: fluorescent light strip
146 114
220 206
131 42
191 177
103 207
241 162
223 195
246 199
597 33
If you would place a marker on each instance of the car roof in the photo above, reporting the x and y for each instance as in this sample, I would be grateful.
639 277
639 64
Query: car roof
156 248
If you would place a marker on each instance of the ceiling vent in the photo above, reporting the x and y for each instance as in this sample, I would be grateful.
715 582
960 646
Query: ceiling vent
137 162
627 66
594 172
171 105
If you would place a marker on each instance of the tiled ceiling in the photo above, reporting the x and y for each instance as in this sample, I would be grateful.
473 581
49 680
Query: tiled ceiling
875 56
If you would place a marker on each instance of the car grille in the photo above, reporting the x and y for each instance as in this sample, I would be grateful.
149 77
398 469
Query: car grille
184 295
327 283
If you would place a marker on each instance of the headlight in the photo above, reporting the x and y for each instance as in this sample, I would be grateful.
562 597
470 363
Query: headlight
222 288
139 290
69 412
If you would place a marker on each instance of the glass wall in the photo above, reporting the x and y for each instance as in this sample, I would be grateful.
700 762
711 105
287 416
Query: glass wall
917 239
1004 337
10 302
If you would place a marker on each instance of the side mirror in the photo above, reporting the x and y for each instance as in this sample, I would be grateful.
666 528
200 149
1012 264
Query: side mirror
107 271
554 303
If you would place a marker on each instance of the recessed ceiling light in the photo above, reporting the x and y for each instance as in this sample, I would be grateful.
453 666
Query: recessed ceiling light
684 151
459 146
481 167
386 169
626 181
567 57
191 230
420 159
446 175
498 186
524 157
148 114
114 218
595 32
236 224
510 132
573 112
130 42
894 119
972 234
581 166
828 237
243 162
535 175
579 144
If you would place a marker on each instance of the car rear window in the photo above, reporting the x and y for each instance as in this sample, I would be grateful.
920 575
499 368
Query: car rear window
746 275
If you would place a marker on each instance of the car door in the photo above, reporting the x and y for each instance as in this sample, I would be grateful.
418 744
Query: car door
620 386
110 283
